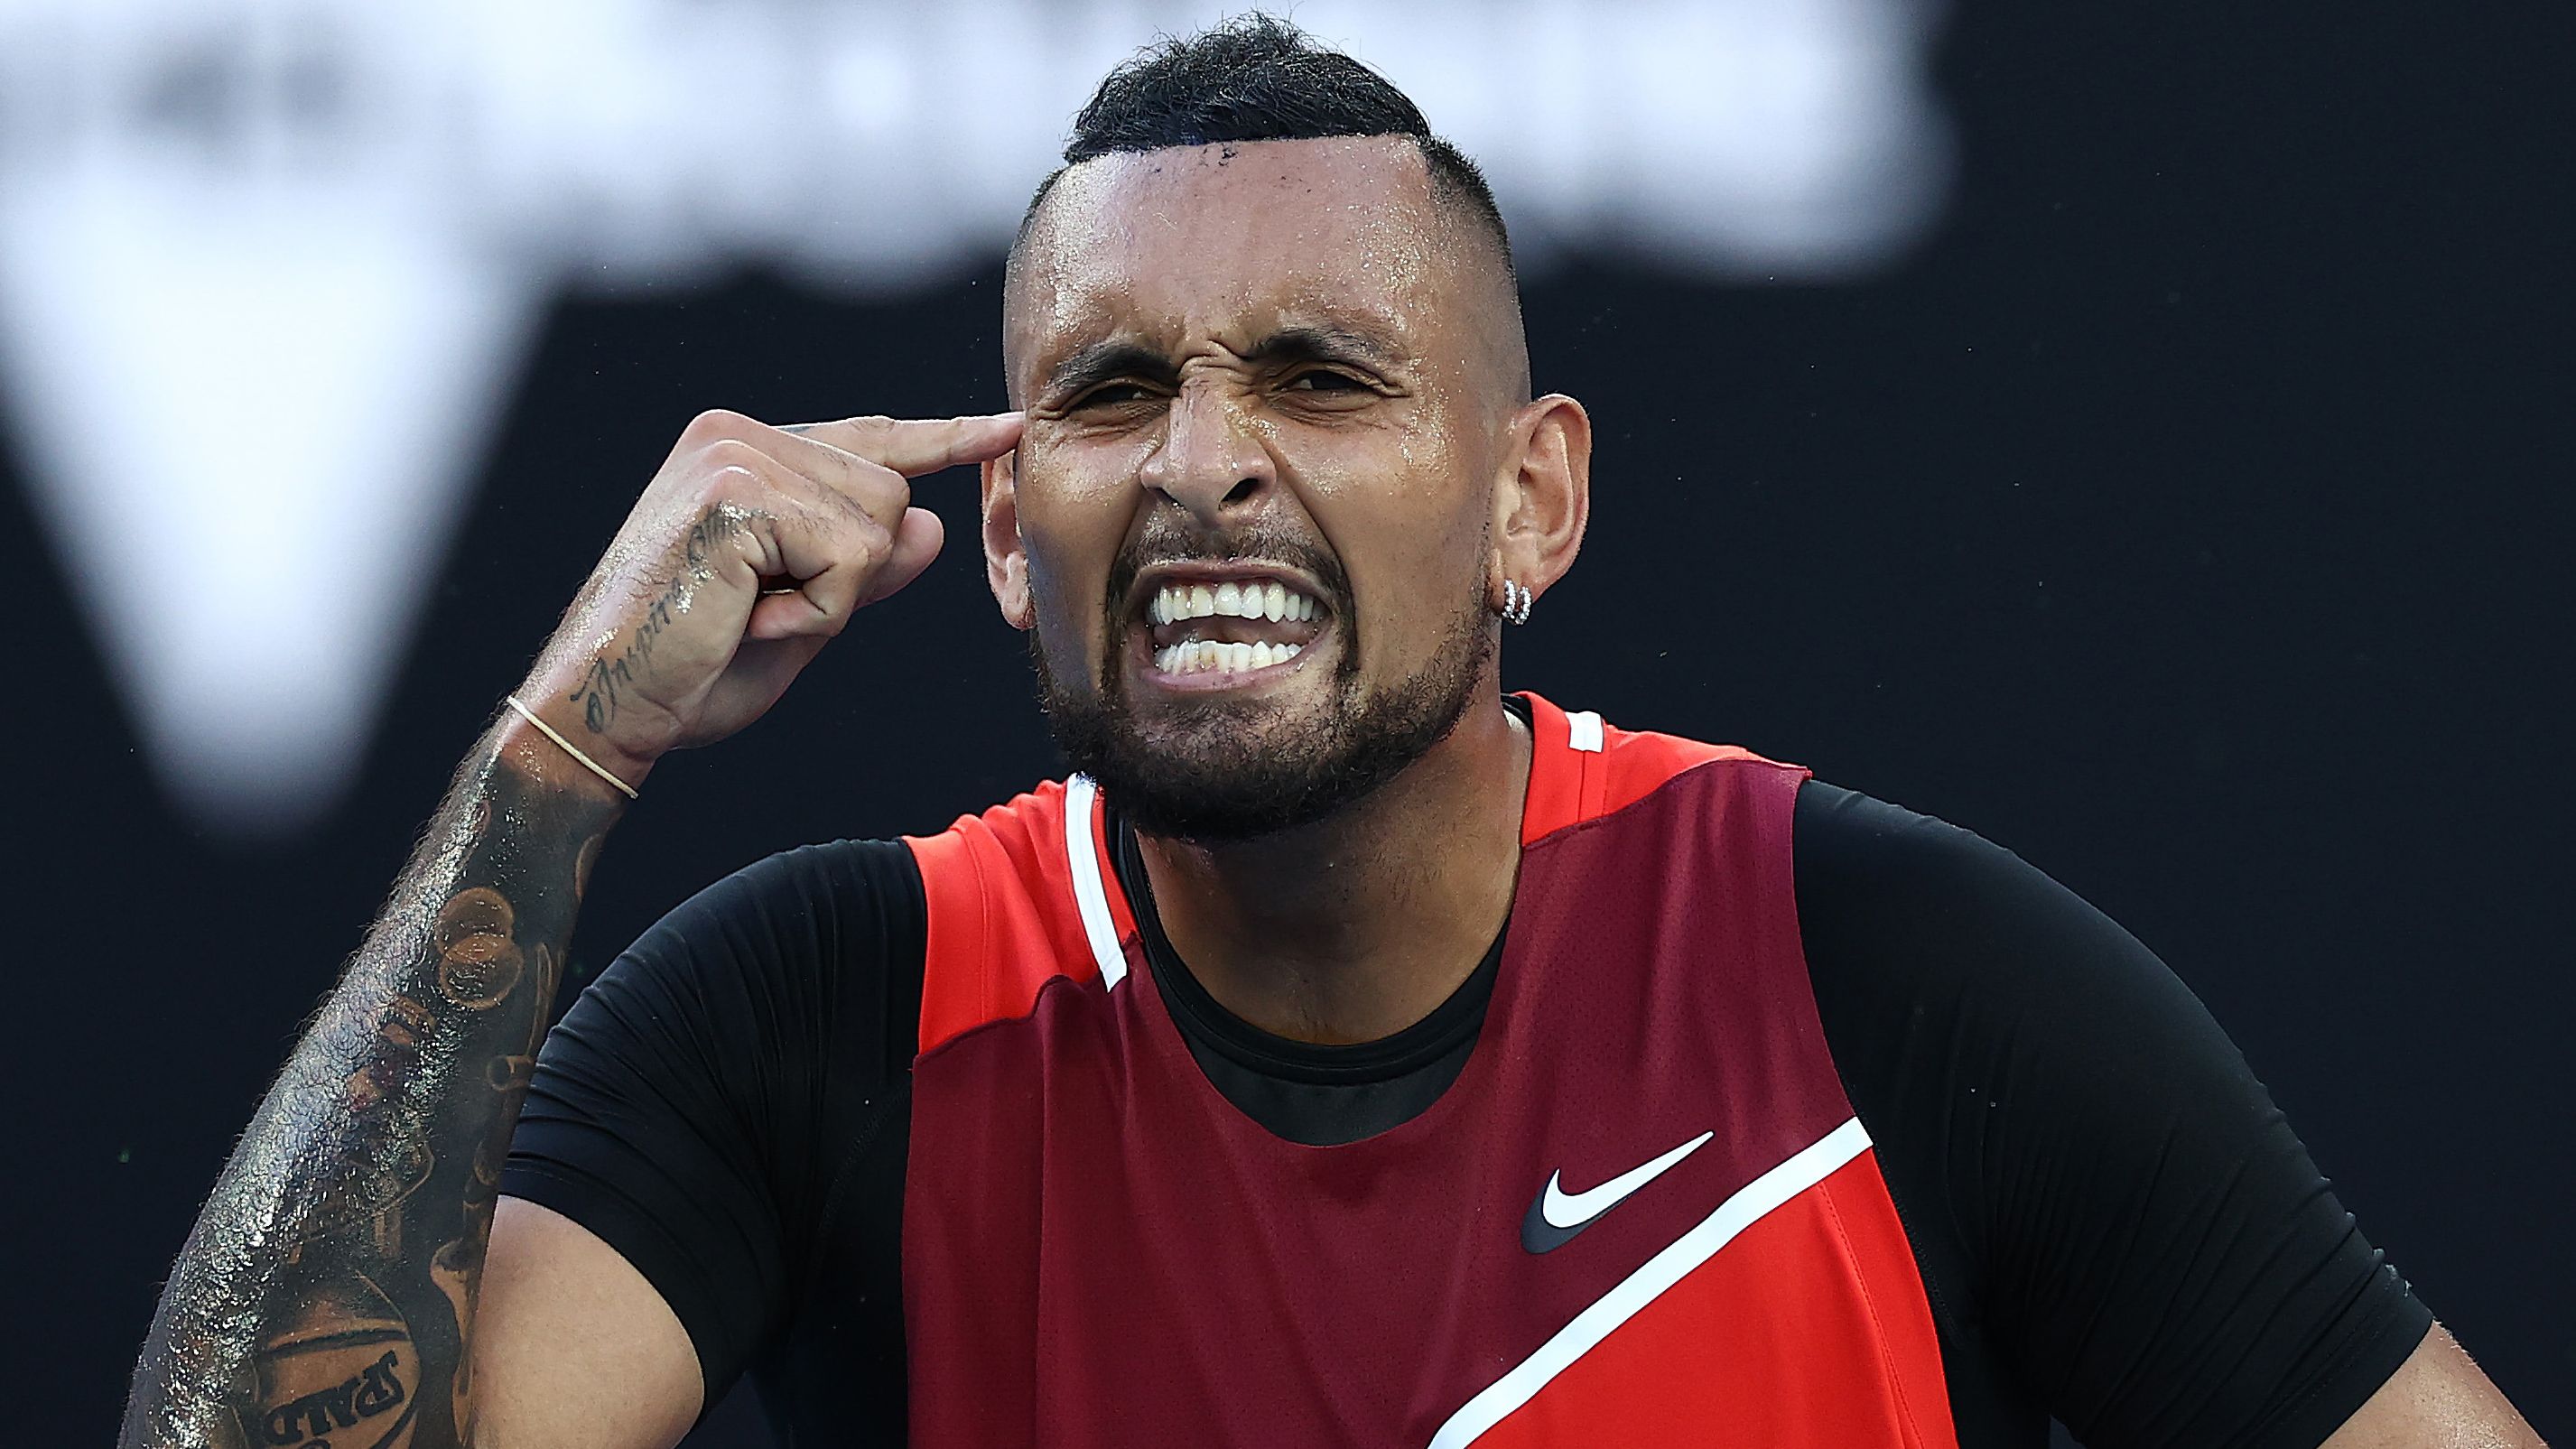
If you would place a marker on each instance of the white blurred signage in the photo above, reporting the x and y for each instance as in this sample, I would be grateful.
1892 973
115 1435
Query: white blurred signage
266 269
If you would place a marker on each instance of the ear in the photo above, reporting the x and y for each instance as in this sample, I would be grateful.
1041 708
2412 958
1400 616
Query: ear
1006 559
1543 497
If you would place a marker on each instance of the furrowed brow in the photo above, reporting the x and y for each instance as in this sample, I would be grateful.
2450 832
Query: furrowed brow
1095 363
1323 344
1100 361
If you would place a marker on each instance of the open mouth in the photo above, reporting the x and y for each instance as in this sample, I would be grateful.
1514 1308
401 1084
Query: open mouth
1210 629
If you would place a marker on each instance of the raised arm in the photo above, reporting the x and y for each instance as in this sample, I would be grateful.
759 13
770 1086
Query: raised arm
333 1279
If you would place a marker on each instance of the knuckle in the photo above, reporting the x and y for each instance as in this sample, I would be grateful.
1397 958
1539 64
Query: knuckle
880 489
869 542
840 507
713 424
867 490
732 455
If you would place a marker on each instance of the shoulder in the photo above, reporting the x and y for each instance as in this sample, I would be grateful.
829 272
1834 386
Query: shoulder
788 947
796 904
1909 913
1871 853
1933 951
1019 844
1584 771
1016 896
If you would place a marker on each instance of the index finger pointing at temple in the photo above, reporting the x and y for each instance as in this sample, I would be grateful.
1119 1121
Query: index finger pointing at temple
914 446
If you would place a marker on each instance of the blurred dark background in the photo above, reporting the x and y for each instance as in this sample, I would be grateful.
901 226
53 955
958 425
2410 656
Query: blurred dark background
2188 512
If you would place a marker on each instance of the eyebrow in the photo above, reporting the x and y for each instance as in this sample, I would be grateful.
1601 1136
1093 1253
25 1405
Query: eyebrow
1097 362
1324 344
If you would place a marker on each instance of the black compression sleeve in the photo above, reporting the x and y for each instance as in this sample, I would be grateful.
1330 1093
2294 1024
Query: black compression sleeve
726 1084
2114 1220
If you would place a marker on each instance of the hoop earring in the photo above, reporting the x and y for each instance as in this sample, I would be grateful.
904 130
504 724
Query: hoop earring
1517 602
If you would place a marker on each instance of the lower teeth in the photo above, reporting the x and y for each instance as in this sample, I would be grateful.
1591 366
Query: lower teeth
1200 656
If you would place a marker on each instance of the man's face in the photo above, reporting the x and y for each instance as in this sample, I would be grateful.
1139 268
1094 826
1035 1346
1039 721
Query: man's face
1267 393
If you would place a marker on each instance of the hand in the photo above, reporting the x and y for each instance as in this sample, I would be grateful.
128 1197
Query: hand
749 550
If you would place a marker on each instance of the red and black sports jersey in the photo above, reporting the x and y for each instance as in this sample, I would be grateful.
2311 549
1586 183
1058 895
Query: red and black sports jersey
1650 1082
1747 1073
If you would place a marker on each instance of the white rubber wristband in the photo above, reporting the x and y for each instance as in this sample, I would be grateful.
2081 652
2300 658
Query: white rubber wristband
570 748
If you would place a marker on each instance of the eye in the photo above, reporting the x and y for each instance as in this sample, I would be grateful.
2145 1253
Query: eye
1325 380
1111 394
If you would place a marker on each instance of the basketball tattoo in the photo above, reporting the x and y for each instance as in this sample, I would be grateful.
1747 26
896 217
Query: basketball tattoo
327 1296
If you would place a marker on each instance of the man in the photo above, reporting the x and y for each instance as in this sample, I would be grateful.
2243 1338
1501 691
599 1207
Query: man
1350 1054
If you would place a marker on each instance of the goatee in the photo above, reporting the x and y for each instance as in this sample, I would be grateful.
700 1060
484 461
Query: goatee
1219 771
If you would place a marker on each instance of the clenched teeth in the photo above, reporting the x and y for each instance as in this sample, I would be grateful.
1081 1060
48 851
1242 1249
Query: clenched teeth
1272 600
1197 656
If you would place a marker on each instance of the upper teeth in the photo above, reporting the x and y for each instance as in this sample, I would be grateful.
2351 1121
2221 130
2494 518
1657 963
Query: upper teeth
1270 600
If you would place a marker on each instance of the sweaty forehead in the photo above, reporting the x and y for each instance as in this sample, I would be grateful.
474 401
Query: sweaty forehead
1230 241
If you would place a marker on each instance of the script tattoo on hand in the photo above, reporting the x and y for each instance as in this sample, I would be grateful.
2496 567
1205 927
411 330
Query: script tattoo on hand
326 1296
607 682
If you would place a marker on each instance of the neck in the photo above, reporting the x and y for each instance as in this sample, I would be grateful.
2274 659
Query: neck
1355 927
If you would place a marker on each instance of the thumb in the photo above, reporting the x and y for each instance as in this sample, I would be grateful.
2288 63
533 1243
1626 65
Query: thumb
917 539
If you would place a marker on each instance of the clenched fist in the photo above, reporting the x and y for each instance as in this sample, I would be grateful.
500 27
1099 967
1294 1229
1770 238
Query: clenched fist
748 551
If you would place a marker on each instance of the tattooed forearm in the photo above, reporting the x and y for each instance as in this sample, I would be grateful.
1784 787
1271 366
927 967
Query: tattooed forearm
327 1293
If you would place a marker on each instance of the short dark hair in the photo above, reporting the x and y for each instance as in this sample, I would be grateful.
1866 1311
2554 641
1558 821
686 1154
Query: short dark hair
1258 78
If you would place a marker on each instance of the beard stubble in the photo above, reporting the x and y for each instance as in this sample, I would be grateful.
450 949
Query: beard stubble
1216 771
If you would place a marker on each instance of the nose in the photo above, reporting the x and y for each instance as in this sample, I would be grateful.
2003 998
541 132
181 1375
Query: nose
1209 462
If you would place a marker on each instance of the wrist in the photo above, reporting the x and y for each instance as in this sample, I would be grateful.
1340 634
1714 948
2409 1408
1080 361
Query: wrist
599 715
543 751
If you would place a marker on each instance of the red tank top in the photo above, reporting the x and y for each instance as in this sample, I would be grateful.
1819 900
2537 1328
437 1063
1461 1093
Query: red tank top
1101 1250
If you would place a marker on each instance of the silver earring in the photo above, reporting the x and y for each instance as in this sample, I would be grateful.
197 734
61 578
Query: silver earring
1517 602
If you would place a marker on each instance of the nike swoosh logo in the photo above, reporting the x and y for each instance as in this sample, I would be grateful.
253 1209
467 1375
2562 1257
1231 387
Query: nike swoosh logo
1557 1215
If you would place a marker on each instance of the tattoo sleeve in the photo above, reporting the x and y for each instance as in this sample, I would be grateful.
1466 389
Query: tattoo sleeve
327 1292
